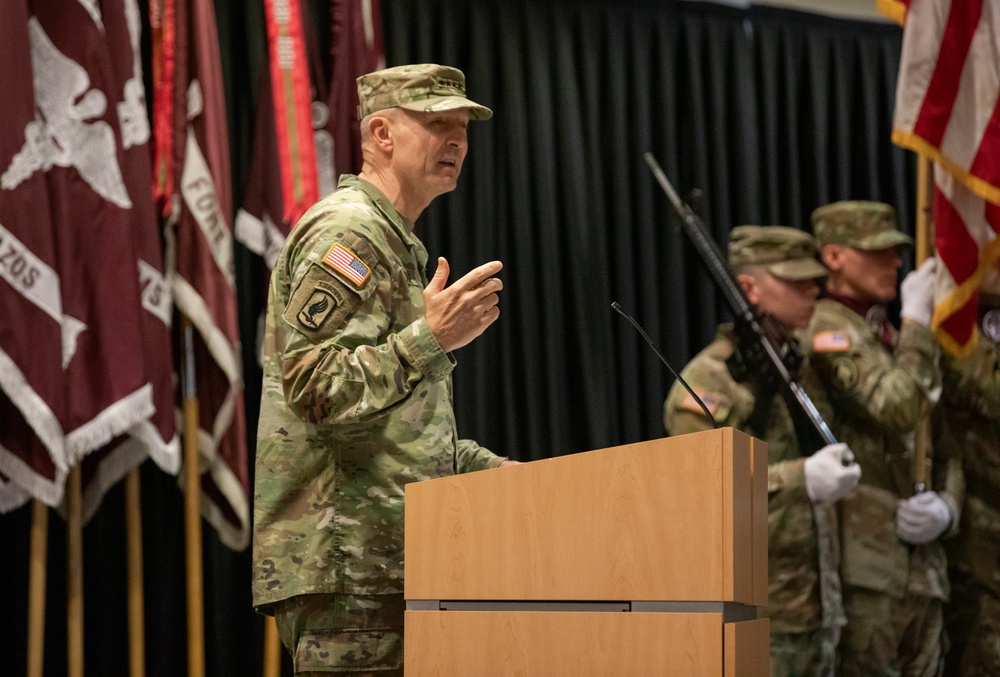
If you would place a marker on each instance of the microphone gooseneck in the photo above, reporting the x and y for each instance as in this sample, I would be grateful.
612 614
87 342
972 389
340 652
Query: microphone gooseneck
708 414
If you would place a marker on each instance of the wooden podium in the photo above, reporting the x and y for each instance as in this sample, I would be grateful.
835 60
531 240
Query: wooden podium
639 560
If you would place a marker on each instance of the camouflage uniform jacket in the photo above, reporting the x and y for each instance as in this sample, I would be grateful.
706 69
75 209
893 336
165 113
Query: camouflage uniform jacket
967 428
873 400
356 402
803 554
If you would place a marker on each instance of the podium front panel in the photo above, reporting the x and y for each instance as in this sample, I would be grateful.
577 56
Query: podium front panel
475 644
668 519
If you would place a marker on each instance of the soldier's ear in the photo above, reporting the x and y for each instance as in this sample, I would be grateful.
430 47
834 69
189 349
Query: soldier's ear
748 283
831 255
380 132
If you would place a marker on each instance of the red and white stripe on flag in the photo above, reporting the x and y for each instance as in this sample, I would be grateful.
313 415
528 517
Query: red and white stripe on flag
948 107
966 228
292 106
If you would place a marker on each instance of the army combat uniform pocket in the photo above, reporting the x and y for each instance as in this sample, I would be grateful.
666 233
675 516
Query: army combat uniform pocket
873 557
351 651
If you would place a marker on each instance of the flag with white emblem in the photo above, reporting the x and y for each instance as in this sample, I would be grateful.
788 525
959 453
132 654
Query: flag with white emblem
199 257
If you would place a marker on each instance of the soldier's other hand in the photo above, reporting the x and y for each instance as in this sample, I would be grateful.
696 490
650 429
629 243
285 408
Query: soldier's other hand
922 518
917 293
461 312
831 473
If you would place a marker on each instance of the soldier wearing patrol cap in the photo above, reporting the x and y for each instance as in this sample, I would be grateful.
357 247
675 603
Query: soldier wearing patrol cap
777 269
967 430
356 397
880 383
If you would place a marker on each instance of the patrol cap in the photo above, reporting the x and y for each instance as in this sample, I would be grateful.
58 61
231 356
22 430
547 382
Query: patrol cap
788 253
423 87
859 224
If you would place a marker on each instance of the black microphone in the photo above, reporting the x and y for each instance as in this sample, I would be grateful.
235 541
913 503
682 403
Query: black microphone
618 309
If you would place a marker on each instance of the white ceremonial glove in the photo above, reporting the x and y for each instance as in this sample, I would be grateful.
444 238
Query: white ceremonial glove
831 473
917 293
922 518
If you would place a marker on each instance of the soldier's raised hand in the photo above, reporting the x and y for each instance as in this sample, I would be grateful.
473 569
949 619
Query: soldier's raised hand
916 293
461 312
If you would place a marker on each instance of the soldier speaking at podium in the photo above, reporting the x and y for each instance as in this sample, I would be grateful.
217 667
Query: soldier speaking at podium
357 397
777 269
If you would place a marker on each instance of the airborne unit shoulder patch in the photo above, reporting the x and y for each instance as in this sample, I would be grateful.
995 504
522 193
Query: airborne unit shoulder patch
331 288
316 309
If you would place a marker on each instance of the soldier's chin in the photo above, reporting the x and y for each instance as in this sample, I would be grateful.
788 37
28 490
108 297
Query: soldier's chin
887 294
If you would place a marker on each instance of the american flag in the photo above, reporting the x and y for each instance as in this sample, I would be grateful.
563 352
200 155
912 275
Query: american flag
831 341
947 108
344 261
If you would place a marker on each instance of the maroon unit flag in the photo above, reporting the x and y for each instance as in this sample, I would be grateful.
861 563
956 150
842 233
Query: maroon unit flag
357 49
200 257
36 334
73 167
264 220
155 437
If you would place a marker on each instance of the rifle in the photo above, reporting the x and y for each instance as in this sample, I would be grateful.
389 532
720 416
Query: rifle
759 349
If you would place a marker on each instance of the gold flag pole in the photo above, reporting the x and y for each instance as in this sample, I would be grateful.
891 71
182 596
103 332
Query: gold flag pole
36 587
136 607
74 573
192 510
924 249
272 648
925 208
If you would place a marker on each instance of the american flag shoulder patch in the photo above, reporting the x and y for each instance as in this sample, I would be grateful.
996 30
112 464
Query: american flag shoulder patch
712 401
347 263
831 341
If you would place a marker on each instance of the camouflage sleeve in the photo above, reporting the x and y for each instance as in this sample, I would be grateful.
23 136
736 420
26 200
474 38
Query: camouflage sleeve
973 382
470 457
786 475
352 349
730 404
971 389
331 383
710 380
683 421
894 390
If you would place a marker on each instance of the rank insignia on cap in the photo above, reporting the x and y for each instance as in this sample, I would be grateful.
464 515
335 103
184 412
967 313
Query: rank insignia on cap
347 263
831 341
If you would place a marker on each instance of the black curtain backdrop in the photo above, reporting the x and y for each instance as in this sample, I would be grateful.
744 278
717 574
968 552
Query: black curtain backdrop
768 113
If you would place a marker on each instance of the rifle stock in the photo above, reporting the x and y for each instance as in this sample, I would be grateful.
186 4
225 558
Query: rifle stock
741 307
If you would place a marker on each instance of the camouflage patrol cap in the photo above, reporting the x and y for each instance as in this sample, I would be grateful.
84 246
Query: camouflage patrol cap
423 87
858 224
788 253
